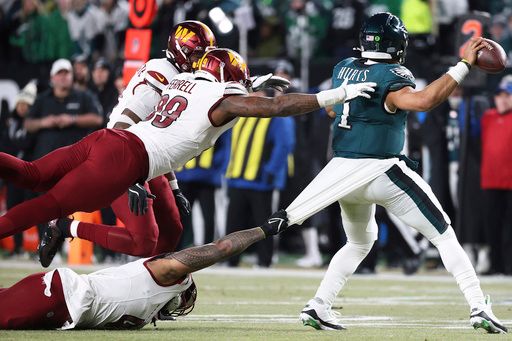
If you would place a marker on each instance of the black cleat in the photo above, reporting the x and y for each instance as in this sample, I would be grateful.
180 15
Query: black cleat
52 240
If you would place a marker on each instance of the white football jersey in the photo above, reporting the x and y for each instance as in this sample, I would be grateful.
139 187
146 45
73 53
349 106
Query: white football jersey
123 297
180 128
144 89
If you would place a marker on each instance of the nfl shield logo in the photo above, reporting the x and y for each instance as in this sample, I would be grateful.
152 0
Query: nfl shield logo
369 38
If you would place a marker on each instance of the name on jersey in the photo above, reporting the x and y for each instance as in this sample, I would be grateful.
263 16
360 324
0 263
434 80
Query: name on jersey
182 85
347 73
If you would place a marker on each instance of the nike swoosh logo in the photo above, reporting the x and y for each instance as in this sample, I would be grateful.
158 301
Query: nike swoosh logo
275 220
160 78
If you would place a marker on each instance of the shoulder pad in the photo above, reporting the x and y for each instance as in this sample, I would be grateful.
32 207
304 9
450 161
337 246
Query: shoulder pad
159 73
402 72
235 88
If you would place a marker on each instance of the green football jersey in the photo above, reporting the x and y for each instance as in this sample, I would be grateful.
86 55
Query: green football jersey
363 128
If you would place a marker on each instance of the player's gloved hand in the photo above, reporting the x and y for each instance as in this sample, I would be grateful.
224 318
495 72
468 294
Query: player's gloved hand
138 199
182 202
269 81
276 223
359 89
344 93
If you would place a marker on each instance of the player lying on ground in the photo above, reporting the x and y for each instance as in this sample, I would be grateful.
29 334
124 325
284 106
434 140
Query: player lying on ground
195 109
125 297
368 136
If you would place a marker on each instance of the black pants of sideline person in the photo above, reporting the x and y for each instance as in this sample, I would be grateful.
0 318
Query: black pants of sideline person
249 208
205 195
498 229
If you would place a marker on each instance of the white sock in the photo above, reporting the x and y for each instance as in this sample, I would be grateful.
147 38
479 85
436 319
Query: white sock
73 228
457 263
342 265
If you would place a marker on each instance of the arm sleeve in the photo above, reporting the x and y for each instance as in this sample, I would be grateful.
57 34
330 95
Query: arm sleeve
143 101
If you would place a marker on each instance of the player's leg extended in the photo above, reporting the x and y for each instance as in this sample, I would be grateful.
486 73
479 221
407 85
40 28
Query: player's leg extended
405 194
167 215
361 230
137 238
39 175
338 178
25 305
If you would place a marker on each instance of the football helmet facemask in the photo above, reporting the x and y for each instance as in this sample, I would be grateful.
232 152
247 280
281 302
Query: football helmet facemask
383 36
188 41
179 305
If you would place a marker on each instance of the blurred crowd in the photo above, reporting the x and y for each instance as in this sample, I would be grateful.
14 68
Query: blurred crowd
461 145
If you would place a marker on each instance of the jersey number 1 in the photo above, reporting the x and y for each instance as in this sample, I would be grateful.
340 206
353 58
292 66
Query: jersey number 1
344 117
346 111
167 111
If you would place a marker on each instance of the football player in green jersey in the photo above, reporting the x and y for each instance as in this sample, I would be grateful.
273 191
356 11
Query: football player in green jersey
367 169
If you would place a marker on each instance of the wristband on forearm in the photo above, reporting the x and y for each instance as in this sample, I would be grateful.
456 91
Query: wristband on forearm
173 184
330 97
459 71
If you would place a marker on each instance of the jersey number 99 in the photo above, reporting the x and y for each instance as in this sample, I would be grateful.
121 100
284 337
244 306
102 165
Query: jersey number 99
167 111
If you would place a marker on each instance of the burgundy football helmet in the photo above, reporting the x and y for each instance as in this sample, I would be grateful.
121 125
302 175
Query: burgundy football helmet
224 65
188 41
179 305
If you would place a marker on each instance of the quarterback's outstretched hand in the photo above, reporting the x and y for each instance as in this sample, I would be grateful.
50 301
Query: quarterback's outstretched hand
277 223
359 89
182 202
138 199
269 81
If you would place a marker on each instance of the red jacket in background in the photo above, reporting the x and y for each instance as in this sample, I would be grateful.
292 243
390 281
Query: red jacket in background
496 171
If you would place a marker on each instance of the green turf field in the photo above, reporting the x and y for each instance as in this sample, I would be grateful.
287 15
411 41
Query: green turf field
251 304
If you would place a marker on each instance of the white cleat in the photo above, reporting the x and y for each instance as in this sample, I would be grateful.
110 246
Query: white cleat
484 318
319 316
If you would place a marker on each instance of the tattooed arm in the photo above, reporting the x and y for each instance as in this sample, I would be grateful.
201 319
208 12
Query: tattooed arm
174 266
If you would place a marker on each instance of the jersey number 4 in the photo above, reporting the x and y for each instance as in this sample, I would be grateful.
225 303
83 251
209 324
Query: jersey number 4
167 111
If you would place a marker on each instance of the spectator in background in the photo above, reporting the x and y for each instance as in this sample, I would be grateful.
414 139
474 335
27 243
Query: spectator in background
305 17
59 43
103 87
14 140
61 115
26 26
84 27
198 180
497 177
257 167
500 33
81 73
343 33
113 21
270 40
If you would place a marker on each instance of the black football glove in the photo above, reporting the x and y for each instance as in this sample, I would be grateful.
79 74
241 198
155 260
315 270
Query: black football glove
137 199
269 81
277 223
182 202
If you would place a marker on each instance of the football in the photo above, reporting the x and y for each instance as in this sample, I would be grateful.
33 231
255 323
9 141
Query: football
492 58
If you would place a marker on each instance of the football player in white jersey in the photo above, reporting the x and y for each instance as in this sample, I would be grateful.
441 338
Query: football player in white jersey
125 297
195 109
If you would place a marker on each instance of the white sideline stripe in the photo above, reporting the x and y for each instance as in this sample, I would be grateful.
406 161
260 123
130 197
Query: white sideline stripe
273 273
